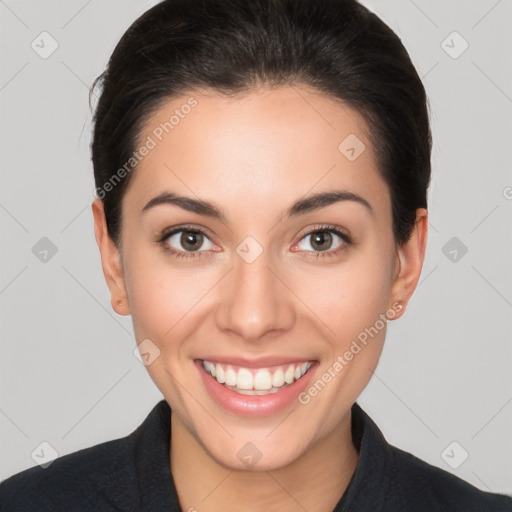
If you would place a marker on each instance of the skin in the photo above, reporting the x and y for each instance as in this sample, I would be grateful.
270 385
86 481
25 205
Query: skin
253 155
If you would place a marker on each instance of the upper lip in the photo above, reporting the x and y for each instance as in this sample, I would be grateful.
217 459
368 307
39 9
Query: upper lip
257 362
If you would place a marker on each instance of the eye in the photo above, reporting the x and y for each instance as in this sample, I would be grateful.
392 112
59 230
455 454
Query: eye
186 242
182 240
321 239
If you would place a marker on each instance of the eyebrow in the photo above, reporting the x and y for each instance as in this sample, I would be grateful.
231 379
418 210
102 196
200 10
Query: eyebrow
300 207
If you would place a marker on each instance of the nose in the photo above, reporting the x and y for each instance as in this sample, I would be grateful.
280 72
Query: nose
255 300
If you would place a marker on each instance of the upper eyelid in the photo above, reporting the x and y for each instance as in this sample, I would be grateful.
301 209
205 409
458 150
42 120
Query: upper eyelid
310 231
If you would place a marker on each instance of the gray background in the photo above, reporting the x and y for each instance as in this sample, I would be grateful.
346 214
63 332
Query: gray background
68 373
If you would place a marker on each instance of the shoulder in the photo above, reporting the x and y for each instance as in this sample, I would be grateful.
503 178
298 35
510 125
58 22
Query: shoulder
71 482
107 477
420 486
390 479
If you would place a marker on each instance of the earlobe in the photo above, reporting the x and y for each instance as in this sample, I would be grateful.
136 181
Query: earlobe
110 261
410 258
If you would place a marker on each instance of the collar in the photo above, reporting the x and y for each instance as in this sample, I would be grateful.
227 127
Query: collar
370 484
142 479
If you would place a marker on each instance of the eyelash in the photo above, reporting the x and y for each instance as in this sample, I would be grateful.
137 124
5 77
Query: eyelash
347 241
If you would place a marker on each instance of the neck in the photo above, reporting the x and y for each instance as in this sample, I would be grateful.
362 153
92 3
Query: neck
314 482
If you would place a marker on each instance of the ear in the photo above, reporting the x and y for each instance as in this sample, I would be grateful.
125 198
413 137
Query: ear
410 258
110 261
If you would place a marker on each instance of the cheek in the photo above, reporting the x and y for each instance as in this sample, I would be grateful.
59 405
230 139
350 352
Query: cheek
346 297
351 296
351 300
163 295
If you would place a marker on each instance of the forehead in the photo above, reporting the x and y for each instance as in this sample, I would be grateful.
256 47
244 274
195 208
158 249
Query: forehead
260 148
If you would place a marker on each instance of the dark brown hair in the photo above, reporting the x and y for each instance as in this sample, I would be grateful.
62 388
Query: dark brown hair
338 47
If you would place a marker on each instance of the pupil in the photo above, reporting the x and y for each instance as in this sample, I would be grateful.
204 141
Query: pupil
322 238
188 238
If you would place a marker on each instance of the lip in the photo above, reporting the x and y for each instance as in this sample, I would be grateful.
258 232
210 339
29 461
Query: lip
254 405
252 362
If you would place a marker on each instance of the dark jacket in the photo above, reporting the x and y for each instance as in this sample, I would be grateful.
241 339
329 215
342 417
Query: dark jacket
132 474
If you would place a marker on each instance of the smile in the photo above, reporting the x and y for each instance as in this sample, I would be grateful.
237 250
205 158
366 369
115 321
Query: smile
256 381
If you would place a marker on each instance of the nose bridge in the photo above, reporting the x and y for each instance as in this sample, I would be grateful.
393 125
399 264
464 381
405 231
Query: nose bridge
255 300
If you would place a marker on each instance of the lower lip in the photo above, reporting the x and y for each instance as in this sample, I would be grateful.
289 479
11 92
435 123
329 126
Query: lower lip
254 405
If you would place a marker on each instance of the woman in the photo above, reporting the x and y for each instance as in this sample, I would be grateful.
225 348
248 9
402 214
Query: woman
261 172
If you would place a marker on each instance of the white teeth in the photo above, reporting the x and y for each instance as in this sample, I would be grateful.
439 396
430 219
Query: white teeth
219 373
256 382
257 391
289 375
244 379
262 380
230 377
278 378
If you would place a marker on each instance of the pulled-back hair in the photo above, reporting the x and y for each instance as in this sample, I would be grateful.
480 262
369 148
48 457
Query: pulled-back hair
338 47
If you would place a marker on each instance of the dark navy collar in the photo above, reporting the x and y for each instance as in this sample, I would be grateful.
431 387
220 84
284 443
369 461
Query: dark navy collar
133 474
156 489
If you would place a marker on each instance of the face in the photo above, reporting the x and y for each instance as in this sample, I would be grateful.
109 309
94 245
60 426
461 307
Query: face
264 282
